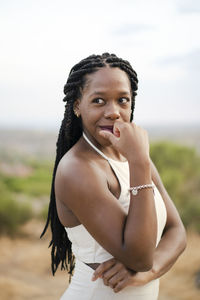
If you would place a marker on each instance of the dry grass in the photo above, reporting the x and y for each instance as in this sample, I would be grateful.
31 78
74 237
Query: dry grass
179 282
25 269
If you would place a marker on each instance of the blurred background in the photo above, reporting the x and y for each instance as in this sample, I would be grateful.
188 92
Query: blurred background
40 42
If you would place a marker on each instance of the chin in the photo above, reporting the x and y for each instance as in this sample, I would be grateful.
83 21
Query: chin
98 139
104 142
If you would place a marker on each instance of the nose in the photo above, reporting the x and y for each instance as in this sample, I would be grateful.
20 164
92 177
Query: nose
112 111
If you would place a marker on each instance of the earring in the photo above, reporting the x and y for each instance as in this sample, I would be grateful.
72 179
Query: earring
76 113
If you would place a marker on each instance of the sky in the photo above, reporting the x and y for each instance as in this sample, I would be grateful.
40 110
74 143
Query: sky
41 40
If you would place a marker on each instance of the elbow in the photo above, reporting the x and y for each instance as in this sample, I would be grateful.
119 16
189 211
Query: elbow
141 259
140 267
141 264
184 241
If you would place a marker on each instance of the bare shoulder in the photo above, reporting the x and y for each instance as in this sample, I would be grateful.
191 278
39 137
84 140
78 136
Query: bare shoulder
81 185
70 171
75 173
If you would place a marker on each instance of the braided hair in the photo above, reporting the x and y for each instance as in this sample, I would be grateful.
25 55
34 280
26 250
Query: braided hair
69 134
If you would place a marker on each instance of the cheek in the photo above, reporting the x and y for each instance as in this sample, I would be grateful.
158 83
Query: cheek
89 117
92 114
127 115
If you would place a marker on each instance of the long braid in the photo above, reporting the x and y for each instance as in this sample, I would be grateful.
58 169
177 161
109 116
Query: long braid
69 134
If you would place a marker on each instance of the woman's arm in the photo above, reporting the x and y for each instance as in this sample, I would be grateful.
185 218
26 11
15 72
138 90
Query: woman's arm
171 245
82 186
173 241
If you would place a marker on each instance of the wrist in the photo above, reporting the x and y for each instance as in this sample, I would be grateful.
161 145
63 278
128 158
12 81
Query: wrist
144 163
140 174
153 274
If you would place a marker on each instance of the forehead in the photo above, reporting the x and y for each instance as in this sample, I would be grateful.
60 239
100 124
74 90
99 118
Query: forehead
108 78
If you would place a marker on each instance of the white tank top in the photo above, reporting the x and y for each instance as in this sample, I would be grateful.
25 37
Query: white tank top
84 246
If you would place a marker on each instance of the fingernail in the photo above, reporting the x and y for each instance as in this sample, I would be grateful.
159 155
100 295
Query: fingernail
93 278
101 133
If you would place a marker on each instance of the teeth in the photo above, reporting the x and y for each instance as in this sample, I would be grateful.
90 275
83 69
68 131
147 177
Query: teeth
107 129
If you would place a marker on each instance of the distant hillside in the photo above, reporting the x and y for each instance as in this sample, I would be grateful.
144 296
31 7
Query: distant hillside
43 143
186 135
28 142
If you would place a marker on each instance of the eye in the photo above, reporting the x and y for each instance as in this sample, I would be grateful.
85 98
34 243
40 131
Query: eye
124 100
98 101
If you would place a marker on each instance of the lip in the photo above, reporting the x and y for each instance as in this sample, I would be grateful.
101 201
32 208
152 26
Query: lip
107 128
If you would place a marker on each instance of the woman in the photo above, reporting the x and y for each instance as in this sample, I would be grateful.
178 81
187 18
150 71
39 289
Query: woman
107 198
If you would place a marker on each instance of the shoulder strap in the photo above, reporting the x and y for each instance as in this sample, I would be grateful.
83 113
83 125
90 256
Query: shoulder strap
94 147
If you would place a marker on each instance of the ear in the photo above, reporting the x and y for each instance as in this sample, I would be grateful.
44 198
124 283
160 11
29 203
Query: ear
76 108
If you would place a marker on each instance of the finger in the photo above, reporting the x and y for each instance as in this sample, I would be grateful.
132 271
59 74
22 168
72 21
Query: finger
117 278
109 136
103 267
105 281
121 285
117 268
116 130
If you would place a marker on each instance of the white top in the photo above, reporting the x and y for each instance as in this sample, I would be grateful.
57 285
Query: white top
84 246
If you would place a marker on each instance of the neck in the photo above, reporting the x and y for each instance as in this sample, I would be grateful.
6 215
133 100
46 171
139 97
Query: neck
108 151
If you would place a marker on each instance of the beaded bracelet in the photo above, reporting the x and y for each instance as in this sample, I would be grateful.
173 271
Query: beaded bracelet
134 190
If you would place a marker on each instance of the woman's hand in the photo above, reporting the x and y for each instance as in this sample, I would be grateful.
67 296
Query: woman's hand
117 276
129 139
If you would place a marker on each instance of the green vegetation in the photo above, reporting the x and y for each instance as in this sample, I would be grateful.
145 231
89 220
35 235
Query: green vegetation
43 213
12 213
18 194
37 184
179 167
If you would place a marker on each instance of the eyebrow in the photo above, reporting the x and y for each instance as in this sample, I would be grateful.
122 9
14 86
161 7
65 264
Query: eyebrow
101 93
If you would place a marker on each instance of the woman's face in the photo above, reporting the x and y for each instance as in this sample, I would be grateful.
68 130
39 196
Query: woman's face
106 97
